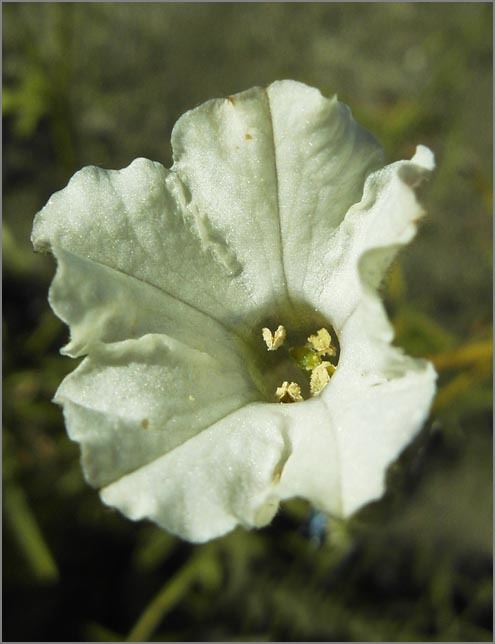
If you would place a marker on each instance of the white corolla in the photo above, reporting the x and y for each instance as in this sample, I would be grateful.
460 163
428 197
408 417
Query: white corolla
236 350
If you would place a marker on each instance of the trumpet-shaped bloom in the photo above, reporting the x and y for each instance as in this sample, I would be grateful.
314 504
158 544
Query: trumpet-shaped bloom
236 350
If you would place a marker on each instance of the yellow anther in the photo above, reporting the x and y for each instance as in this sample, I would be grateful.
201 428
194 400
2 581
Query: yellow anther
320 377
273 342
322 343
288 393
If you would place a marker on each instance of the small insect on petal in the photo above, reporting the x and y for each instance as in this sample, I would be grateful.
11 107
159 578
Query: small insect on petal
273 342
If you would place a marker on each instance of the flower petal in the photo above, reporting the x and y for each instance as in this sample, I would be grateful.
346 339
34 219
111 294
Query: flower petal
137 221
102 304
323 158
274 171
378 398
206 486
374 417
130 402
385 219
312 469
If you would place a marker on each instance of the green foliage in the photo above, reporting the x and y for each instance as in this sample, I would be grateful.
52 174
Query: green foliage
103 83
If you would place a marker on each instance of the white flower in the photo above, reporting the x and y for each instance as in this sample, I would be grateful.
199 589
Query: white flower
275 213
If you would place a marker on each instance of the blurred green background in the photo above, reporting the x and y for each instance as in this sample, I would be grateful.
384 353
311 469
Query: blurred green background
103 83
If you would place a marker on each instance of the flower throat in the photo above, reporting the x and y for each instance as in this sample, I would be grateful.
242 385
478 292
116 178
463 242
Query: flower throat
316 358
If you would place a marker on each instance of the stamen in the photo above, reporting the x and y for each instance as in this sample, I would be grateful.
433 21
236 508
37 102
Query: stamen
322 343
273 342
288 393
320 377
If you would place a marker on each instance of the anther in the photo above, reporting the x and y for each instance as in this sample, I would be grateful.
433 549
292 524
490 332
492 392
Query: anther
320 377
322 343
273 342
289 393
